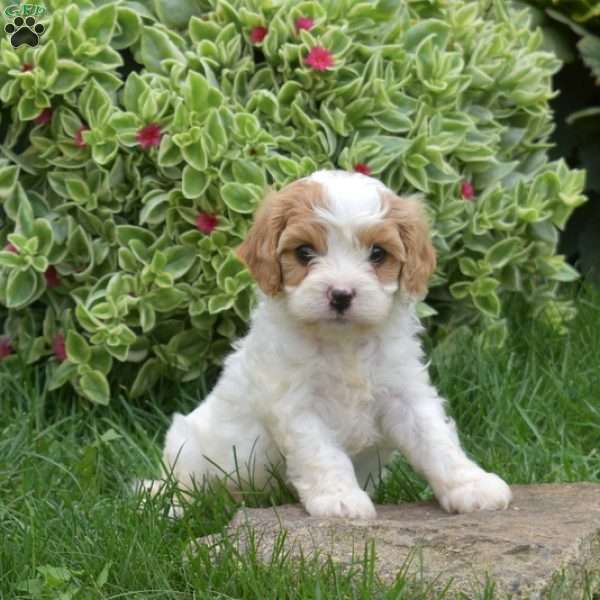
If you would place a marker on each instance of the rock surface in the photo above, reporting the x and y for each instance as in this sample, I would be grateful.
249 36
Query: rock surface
548 540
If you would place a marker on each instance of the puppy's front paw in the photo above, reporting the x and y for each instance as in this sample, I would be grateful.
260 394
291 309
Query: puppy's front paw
355 504
484 491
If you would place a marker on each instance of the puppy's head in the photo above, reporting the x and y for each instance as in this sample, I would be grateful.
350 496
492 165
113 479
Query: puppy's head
338 246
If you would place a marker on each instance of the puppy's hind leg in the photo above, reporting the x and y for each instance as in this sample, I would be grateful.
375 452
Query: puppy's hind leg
182 463
207 446
184 454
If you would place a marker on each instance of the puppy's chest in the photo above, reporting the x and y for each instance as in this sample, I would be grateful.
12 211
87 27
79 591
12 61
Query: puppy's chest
344 386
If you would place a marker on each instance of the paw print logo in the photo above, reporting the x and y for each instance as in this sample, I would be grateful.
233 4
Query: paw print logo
24 31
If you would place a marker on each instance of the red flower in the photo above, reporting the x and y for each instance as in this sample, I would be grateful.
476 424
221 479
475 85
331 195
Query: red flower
11 248
304 23
149 135
26 67
467 190
51 276
44 117
58 347
6 348
363 168
258 34
206 222
319 58
79 141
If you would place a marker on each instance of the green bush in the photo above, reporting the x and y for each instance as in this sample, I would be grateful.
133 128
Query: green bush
577 112
137 144
583 12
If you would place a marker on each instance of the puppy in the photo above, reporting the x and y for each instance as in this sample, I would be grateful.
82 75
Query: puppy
330 379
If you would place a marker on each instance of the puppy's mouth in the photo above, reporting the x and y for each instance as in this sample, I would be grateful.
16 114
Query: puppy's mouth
341 319
331 317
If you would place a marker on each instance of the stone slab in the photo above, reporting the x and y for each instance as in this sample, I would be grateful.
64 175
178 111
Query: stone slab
547 544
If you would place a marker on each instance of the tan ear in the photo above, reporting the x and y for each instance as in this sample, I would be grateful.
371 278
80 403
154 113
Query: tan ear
259 250
420 263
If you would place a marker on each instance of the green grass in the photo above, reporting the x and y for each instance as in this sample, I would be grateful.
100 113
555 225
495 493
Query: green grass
70 525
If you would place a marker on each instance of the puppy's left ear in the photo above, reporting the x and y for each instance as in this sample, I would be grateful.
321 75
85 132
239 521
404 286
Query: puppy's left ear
409 216
259 249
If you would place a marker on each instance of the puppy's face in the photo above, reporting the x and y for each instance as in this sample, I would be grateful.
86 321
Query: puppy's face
338 246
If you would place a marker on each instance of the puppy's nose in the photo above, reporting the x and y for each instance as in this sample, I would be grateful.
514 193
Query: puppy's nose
340 299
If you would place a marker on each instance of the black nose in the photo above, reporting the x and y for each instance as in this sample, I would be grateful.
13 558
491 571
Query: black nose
340 300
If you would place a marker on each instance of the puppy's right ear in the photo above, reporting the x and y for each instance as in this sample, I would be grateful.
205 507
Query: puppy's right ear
259 250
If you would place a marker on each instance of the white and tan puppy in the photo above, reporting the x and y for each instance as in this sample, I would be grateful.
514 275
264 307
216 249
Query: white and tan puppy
330 379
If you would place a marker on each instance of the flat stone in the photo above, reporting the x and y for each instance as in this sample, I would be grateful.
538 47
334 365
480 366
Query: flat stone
548 540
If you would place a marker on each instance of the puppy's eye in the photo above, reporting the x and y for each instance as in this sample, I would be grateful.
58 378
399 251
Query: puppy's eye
305 253
377 255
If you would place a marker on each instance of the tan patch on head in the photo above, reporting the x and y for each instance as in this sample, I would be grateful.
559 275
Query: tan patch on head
302 230
387 236
284 221
404 235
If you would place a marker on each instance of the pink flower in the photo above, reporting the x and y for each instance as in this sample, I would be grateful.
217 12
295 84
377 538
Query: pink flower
6 348
58 347
319 58
52 277
258 34
205 222
79 141
363 168
467 190
304 23
149 135
11 248
26 67
44 117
